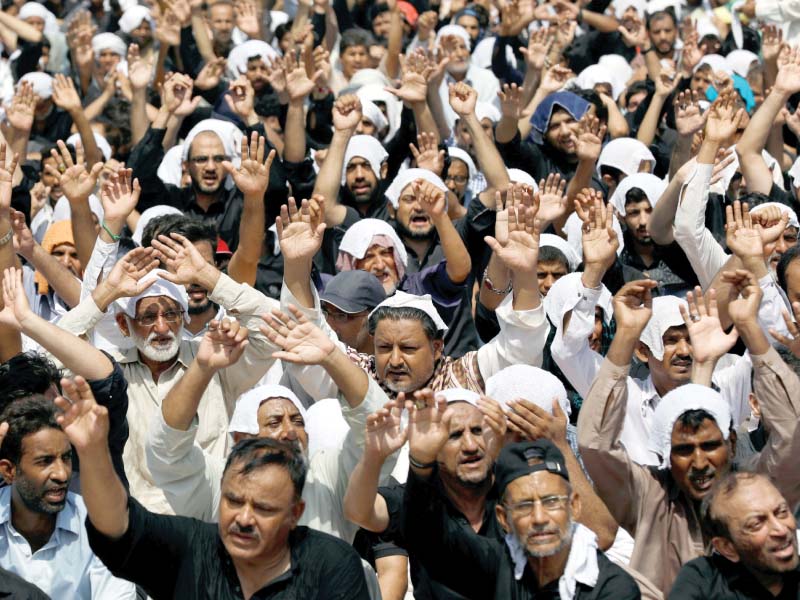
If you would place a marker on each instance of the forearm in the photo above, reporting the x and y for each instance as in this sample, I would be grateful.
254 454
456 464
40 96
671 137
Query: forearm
103 493
649 127
681 154
617 125
161 59
437 112
90 149
10 342
329 178
621 351
7 256
361 501
139 120
294 149
98 106
506 129
392 576
57 275
201 38
600 22
500 276
455 252
21 28
180 405
297 279
526 291
83 230
757 131
244 263
351 380
663 215
171 135
394 44
530 84
424 121
491 163
702 372
753 336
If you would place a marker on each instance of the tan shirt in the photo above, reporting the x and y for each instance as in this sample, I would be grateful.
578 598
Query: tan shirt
646 501
216 406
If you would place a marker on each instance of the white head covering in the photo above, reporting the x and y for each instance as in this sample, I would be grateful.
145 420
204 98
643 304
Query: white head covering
651 185
463 156
654 6
151 213
793 222
368 148
373 114
242 53
109 41
565 295
42 83
620 6
358 238
705 28
666 314
625 154
687 397
594 74
161 287
133 17
486 110
459 395
63 212
529 383
455 30
520 176
365 77
102 143
170 170
559 243
794 172
325 426
34 9
716 62
375 92
424 303
228 133
740 60
245 414
408 176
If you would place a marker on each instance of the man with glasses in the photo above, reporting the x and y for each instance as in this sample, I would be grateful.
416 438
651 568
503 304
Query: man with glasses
346 303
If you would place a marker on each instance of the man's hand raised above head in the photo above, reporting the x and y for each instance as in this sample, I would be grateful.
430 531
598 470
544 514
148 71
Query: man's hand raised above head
385 434
73 178
432 200
125 278
185 264
347 113
788 80
83 421
300 232
709 341
222 345
299 340
463 99
252 176
633 306
428 429
520 254
598 240
16 308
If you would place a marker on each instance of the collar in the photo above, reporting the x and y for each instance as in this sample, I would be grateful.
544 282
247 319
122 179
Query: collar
296 536
185 355
67 520
650 397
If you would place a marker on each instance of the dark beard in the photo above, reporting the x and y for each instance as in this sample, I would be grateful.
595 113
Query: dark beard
349 198
404 232
33 499
199 309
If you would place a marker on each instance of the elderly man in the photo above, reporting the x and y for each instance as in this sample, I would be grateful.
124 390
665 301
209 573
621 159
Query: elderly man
754 535
152 311
690 434
257 549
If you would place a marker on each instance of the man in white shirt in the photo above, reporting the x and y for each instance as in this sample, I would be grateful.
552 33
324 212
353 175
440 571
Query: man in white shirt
42 533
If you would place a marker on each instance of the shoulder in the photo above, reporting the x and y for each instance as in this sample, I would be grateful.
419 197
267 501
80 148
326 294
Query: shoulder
613 578
696 575
323 547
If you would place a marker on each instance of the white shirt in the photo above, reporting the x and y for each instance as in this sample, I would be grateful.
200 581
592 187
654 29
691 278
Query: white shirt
785 13
484 82
65 567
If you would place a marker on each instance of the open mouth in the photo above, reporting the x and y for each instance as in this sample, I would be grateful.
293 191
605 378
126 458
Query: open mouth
361 189
472 460
56 495
785 550
702 482
682 364
420 220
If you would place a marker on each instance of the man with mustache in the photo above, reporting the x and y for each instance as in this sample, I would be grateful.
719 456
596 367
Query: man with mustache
691 432
754 535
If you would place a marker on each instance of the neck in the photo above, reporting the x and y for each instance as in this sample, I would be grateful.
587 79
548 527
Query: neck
469 500
665 386
419 246
35 527
157 367
549 568
459 76
772 582
255 574
205 200
668 54
199 321
645 251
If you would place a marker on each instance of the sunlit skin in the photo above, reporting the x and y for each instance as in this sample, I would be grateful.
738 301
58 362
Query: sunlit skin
675 367
404 356
663 34
156 305
561 132
353 59
701 80
207 178
459 58
637 220
351 329
463 459
698 457
257 74
67 255
279 419
360 179
548 272
380 261
457 178
221 19
410 216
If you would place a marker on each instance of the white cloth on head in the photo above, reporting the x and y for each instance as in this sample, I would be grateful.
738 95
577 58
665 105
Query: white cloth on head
241 54
793 222
528 383
375 92
485 110
326 427
171 168
625 154
102 143
574 230
453 30
245 413
109 41
565 294
35 9
654 6
794 172
560 244
716 62
666 314
368 148
228 133
463 156
520 176
618 65
706 28
651 185
459 395
424 303
151 213
597 73
404 178
620 6
740 61
374 115
161 287
63 212
278 18
358 238
42 83
690 396
134 16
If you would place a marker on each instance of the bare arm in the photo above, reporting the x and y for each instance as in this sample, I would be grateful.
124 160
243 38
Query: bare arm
20 28
392 576
434 202
395 42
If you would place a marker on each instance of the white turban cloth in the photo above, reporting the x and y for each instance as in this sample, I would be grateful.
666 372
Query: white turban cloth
159 210
102 143
368 148
133 17
651 185
407 177
161 287
109 41
560 244
245 413
459 395
527 383
453 30
42 83
464 157
625 154
793 222
34 9
520 176
486 110
405 300
666 314
228 133
565 294
598 74
171 170
375 92
687 397
251 49
364 234
374 115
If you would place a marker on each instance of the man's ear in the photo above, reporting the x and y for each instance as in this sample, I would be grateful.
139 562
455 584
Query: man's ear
122 323
733 439
297 511
575 505
438 348
726 548
8 471
500 513
391 209
384 169
642 352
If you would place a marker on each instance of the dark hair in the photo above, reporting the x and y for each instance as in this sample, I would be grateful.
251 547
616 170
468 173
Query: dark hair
693 419
254 453
600 110
754 199
25 416
398 313
635 88
712 522
667 13
552 254
612 172
355 36
46 154
192 228
634 195
790 255
26 374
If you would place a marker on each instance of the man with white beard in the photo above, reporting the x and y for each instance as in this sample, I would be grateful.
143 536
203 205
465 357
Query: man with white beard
152 308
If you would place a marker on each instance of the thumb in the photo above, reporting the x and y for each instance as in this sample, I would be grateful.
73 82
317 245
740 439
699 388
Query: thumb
558 412
493 243
96 168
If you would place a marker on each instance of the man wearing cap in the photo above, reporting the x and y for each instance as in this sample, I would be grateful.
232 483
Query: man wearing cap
152 312
50 122
690 434
346 302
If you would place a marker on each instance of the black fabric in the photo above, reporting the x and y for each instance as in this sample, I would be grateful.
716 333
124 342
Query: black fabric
182 558
14 586
716 578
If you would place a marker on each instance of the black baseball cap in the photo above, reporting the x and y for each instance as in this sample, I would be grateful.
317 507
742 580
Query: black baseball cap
354 291
522 458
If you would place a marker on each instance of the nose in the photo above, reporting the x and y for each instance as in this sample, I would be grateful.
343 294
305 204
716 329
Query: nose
778 528
781 246
547 283
61 471
699 460
539 514
396 358
161 326
469 443
65 260
379 264
683 348
287 431
244 518
360 169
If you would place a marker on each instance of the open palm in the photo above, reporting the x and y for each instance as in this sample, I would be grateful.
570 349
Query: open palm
252 176
384 434
299 236
300 341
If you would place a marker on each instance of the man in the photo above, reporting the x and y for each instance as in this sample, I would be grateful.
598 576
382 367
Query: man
536 510
152 312
221 22
42 533
363 176
660 506
662 29
621 158
754 535
346 303
257 549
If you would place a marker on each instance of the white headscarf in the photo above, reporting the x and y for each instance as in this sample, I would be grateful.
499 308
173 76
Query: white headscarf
651 185
408 176
528 383
109 41
486 110
680 400
560 244
245 413
666 314
374 115
34 9
740 61
565 295
62 211
358 238
375 92
620 6
456 30
520 176
424 303
161 287
102 143
625 154
42 83
171 170
463 156
459 395
151 213
716 62
133 17
228 133
597 73
242 53
368 148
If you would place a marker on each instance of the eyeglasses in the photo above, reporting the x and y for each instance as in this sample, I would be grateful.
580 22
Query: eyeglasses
340 317
459 179
201 160
169 316
549 503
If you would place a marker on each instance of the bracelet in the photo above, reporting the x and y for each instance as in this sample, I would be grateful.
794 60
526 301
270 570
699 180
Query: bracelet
650 49
418 465
114 237
7 237
487 283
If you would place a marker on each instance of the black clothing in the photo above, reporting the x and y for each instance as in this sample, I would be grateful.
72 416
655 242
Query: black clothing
178 557
585 49
716 578
15 587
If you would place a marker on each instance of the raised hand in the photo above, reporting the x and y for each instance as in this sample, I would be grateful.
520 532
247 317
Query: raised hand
689 119
428 429
788 80
745 296
23 238
276 77
211 74
555 78
119 195
22 108
346 113
139 70
7 169
428 155
17 309
520 253
495 425
176 95
589 140
666 82
75 181
125 278
385 435
511 101
690 56
65 96
247 19
299 340
252 176
83 420
743 237
551 198
539 44
599 240
222 345
413 82
709 341
723 120
322 65
634 33
182 258
298 84
633 305
432 200
531 422
241 98
299 235
462 98
168 28
792 343
771 42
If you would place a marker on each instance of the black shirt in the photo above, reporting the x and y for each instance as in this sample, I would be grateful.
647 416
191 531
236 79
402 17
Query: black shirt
178 557
14 586
716 578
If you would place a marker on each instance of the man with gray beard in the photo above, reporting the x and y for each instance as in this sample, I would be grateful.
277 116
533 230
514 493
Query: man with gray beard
152 307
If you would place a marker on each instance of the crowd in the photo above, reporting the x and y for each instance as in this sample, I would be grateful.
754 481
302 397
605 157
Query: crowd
433 299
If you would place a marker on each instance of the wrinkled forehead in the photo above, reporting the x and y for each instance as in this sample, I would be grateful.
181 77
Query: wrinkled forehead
276 406
463 415
155 303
